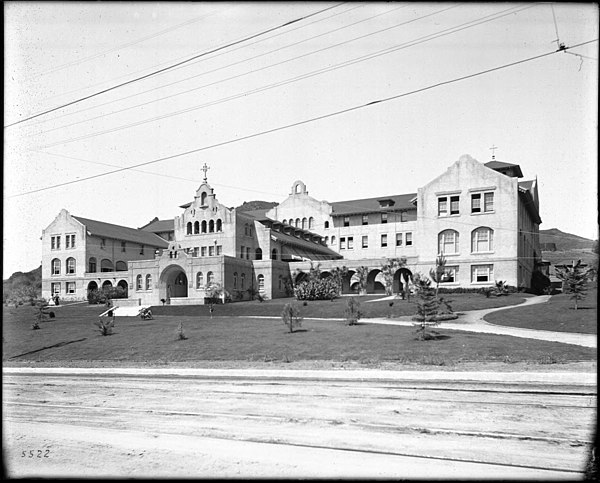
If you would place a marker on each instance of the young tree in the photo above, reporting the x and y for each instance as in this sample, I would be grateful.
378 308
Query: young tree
291 316
42 313
427 308
352 312
438 273
362 274
314 272
338 274
214 293
574 280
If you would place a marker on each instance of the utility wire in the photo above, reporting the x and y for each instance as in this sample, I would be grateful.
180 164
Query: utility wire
245 45
131 81
385 51
213 70
123 46
299 123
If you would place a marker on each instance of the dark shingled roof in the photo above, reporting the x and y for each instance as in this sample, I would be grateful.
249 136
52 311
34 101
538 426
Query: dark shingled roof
526 184
496 165
310 246
372 205
118 232
159 226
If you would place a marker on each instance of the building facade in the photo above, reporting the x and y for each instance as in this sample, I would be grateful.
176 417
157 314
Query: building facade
480 216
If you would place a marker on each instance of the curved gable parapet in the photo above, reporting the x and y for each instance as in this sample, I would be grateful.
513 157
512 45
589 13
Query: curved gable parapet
298 188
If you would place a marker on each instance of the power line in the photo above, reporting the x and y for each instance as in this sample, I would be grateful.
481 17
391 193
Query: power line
122 46
217 69
385 51
306 121
246 45
171 66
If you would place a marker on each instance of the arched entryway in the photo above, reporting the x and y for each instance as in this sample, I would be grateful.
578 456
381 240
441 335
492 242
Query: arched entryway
123 284
401 278
348 281
107 284
375 282
173 283
92 286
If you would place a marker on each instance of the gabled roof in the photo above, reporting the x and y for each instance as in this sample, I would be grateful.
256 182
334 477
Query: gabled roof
312 248
159 226
501 166
526 184
124 233
372 205
258 214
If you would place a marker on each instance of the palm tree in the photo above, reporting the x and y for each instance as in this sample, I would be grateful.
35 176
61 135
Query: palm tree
338 275
362 274
437 274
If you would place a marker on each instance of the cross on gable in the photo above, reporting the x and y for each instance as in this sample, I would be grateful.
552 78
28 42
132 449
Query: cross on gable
493 148
204 168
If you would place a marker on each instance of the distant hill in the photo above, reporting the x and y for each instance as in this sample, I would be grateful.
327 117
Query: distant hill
256 205
564 241
23 286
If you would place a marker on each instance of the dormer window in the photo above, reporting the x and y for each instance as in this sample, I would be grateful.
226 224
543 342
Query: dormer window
386 203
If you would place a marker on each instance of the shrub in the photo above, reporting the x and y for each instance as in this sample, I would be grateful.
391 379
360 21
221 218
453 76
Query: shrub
352 313
317 289
42 313
180 332
106 294
291 316
540 283
105 326
574 279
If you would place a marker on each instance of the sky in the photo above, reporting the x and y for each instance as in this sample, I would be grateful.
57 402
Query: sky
112 108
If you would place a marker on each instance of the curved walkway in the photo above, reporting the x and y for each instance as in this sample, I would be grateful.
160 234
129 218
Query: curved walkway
472 321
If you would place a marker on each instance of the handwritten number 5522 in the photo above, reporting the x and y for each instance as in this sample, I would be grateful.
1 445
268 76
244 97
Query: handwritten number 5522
35 453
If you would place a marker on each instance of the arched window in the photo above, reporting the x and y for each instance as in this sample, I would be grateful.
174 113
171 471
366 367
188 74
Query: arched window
284 221
261 283
219 225
106 265
448 242
204 226
196 227
333 240
210 278
274 254
71 265
326 224
56 266
211 226
258 254
243 281
148 282
326 240
482 239
235 276
297 224
92 265
304 224
203 199
138 282
199 280
311 223
189 228
121 266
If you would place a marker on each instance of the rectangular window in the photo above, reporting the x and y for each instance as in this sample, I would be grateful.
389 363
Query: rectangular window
482 273
102 243
203 251
247 253
384 218
488 202
476 203
123 246
56 288
442 206
219 250
70 287
450 275
141 249
211 251
454 205
398 239
350 243
346 221
408 238
342 243
365 219
55 242
365 241
384 240
196 251
68 239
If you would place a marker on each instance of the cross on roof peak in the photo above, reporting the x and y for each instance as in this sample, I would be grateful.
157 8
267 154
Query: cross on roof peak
493 148
204 168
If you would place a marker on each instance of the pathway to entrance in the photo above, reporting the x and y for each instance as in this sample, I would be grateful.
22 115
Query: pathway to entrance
472 321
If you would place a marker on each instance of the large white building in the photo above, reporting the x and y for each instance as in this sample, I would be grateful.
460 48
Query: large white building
480 216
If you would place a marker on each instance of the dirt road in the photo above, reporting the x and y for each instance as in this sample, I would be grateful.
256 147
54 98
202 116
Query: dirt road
252 424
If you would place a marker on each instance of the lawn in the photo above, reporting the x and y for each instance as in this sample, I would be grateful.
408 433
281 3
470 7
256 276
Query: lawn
70 337
558 314
335 308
